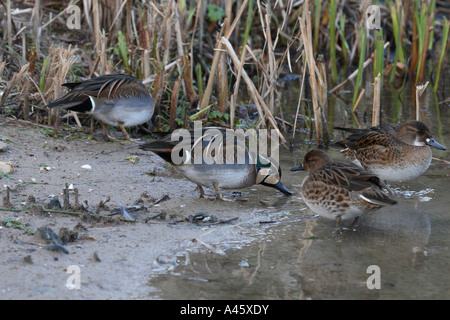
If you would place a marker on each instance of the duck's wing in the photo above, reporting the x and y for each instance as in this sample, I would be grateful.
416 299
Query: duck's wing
107 87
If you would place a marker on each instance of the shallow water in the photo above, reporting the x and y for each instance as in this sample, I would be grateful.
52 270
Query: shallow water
299 257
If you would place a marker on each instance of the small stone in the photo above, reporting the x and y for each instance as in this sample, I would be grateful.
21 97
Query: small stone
167 259
3 147
28 259
53 204
6 167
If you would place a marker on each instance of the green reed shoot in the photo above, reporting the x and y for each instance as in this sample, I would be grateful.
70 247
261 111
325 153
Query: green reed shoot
399 53
433 15
332 40
317 9
43 72
378 65
123 49
422 20
443 49
198 71
344 43
362 55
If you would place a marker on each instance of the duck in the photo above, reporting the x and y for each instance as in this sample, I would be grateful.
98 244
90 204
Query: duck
116 100
340 190
394 152
243 169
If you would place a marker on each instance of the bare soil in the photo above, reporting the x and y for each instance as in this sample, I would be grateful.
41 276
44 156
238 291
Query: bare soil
116 258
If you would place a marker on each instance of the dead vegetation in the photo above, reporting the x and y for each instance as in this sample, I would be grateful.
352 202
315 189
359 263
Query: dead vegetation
203 60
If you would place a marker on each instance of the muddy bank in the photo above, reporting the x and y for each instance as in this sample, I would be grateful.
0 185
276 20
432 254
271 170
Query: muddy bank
115 258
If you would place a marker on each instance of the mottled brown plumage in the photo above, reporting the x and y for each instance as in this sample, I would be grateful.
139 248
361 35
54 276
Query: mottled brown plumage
340 190
392 152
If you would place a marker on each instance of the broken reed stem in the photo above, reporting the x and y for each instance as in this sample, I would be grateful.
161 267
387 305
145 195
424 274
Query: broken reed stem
259 101
419 91
361 94
376 101
7 198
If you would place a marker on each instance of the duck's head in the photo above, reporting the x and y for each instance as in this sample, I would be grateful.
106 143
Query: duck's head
268 174
313 160
417 133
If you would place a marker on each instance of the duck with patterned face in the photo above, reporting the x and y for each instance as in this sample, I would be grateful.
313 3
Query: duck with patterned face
116 100
241 173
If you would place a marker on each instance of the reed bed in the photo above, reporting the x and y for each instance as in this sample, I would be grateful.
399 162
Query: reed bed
214 60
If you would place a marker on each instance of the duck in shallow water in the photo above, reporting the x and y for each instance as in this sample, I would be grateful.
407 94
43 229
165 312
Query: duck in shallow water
340 191
392 152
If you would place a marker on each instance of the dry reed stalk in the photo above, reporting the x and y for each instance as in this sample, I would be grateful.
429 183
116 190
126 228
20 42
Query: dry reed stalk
185 65
419 91
128 24
191 94
208 90
222 84
2 67
361 94
16 79
259 101
36 26
96 19
322 87
217 52
26 100
236 88
60 62
299 100
307 43
162 46
9 24
146 64
376 101
271 56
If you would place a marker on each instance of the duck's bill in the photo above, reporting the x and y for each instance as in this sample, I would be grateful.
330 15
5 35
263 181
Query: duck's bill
279 186
298 168
433 143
